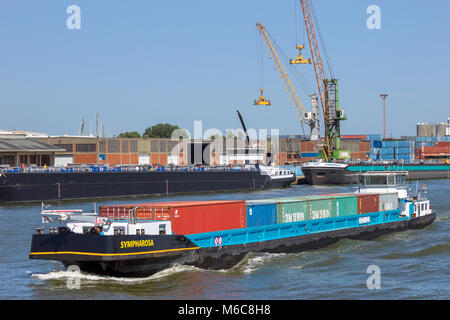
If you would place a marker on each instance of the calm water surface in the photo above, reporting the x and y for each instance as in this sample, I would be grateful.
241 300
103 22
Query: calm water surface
413 264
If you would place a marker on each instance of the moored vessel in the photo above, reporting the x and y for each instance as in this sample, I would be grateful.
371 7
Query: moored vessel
323 173
330 173
101 182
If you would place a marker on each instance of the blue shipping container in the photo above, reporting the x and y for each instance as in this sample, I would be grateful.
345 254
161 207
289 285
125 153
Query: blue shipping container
373 137
309 155
403 157
404 151
405 143
261 214
384 151
390 144
377 144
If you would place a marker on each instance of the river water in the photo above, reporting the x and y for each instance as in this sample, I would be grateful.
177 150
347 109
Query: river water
412 264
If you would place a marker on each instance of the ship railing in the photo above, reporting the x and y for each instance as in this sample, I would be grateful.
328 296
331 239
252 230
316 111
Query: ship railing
397 162
126 168
134 213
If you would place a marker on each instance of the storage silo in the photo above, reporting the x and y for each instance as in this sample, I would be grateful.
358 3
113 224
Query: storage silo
426 130
421 130
441 129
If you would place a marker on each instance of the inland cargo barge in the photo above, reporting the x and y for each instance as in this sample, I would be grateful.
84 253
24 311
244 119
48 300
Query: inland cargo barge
18 185
141 239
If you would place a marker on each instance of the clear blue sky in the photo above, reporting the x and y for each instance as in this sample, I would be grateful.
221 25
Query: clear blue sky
138 63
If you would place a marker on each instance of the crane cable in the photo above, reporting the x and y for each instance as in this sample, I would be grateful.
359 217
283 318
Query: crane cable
324 49
298 27
259 60
306 86
279 50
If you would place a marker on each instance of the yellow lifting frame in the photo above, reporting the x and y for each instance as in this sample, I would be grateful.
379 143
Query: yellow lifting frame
298 106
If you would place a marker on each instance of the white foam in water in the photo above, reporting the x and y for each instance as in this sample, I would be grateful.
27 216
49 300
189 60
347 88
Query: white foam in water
253 264
64 274
247 266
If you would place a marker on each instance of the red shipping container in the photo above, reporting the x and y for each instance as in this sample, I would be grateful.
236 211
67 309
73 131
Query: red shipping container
353 137
368 203
363 155
207 217
306 146
442 144
354 155
189 217
436 150
364 146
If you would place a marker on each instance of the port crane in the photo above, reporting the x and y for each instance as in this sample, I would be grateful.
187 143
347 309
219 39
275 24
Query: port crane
328 92
310 118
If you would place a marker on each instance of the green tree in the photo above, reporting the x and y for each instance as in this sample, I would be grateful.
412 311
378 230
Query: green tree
129 134
160 130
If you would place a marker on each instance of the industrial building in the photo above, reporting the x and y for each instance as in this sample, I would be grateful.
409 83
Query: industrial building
17 150
21 148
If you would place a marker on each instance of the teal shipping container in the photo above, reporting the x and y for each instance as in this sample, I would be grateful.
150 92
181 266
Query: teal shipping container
293 211
321 208
345 206
261 214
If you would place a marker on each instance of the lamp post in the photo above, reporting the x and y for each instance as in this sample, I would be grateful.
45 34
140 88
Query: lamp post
384 96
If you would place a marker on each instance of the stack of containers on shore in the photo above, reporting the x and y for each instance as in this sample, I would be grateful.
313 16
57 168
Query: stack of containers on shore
375 145
358 146
390 149
296 151
433 150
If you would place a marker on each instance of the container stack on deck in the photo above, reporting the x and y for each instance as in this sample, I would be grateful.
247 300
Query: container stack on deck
192 217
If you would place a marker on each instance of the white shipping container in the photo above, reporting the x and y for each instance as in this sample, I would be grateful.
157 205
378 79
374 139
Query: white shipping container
144 159
388 201
63 160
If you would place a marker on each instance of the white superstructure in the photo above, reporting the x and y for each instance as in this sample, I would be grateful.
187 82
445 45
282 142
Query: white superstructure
81 222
